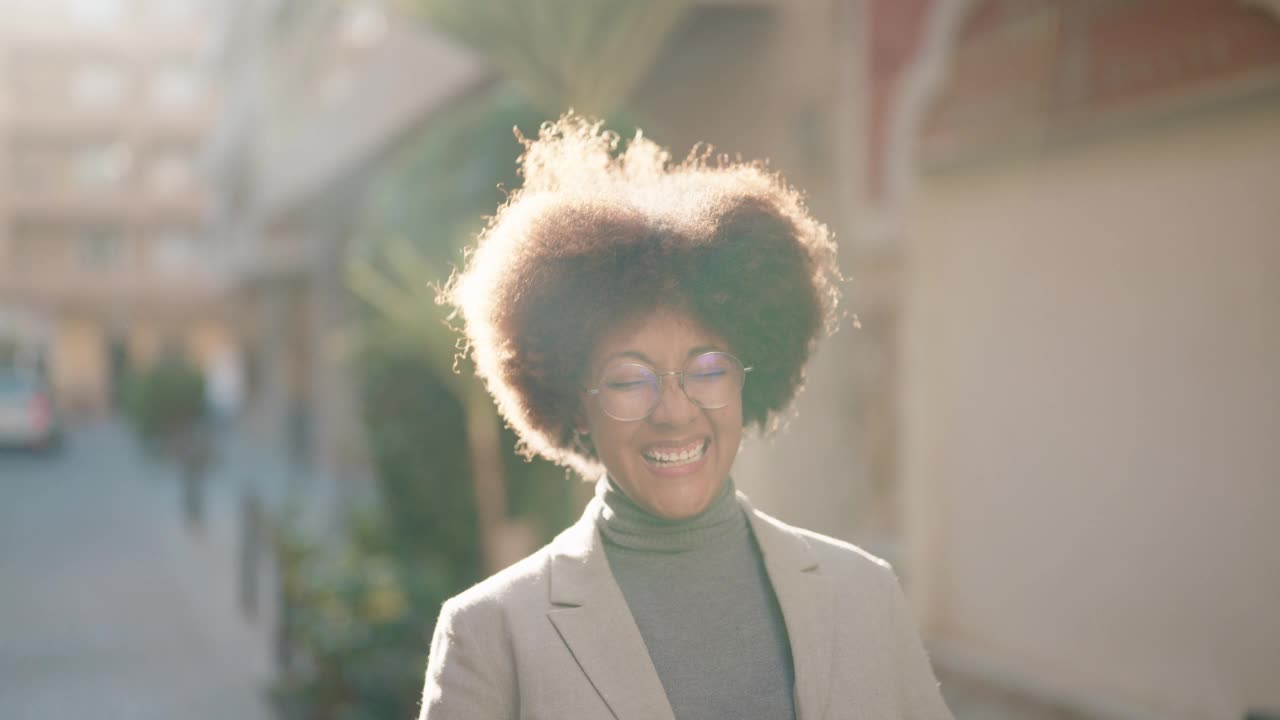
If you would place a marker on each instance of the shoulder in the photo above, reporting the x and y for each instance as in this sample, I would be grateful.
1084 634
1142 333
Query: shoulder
525 585
844 554
524 589
518 584
833 555
471 671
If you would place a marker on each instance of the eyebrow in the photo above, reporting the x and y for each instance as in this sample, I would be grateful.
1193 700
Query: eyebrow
635 354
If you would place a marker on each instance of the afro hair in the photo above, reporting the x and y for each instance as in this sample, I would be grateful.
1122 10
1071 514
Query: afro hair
595 238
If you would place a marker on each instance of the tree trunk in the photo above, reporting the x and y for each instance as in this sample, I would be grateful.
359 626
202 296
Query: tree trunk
488 479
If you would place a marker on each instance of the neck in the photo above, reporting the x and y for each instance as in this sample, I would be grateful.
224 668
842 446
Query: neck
624 523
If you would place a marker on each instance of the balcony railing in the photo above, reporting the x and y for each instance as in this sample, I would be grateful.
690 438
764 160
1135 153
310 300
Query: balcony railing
78 285
50 119
123 205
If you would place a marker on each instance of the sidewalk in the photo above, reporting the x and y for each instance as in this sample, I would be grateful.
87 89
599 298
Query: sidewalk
110 608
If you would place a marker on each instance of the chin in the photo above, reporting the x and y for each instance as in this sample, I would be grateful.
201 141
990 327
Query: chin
683 499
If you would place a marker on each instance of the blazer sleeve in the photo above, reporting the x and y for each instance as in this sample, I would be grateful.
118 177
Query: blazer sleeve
469 674
921 695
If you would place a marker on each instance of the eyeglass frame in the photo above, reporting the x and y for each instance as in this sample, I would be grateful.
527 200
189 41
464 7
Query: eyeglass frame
680 382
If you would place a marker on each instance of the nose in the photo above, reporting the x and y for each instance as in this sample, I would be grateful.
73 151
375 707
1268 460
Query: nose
674 407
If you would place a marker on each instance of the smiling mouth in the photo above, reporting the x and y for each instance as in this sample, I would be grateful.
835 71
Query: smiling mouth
672 457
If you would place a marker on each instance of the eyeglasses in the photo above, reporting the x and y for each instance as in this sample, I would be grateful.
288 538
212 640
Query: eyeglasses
631 391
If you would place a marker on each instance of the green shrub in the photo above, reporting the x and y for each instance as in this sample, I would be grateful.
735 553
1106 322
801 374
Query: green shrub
360 612
165 399
358 624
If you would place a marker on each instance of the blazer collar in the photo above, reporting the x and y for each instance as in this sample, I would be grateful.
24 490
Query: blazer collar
592 617
807 599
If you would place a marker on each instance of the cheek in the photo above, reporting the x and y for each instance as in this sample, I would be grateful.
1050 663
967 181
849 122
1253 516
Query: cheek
729 429
609 437
734 418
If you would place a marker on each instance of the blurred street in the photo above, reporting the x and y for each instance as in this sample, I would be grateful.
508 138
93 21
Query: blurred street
109 607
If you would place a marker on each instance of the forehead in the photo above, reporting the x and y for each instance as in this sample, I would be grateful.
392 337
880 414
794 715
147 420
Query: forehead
663 337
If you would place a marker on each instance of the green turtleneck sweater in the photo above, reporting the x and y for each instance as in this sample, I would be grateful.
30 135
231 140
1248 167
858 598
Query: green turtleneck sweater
700 596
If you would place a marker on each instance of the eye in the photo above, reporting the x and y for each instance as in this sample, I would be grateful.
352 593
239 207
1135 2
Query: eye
625 384
708 374
709 367
627 378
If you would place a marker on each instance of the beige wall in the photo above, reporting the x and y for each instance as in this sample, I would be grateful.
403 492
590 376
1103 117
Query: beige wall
207 340
1093 417
128 285
145 343
78 366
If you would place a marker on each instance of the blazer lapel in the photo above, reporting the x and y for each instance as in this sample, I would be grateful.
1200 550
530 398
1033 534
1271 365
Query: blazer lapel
594 621
808 608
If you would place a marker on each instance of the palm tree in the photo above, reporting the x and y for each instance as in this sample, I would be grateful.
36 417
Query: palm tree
401 291
586 55
427 207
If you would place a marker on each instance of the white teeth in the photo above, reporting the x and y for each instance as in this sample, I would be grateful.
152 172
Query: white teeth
677 458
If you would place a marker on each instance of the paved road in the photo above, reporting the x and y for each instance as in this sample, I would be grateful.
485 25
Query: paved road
109 608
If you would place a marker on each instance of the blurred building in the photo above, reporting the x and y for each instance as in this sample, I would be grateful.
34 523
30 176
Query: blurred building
1084 198
103 104
316 94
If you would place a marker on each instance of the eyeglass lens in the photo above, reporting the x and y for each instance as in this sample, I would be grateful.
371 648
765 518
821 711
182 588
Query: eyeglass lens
630 391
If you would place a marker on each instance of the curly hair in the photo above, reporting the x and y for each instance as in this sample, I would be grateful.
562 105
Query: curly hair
595 238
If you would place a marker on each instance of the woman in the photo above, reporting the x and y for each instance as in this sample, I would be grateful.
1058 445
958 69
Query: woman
630 318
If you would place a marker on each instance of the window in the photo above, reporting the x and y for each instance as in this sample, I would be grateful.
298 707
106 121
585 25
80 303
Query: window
100 248
96 14
170 171
362 24
175 86
97 85
103 166
173 251
173 14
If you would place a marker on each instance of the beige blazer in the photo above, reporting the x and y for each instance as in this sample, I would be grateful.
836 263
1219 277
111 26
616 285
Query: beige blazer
552 638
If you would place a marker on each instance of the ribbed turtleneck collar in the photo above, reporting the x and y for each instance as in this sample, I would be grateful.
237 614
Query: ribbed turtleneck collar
624 523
